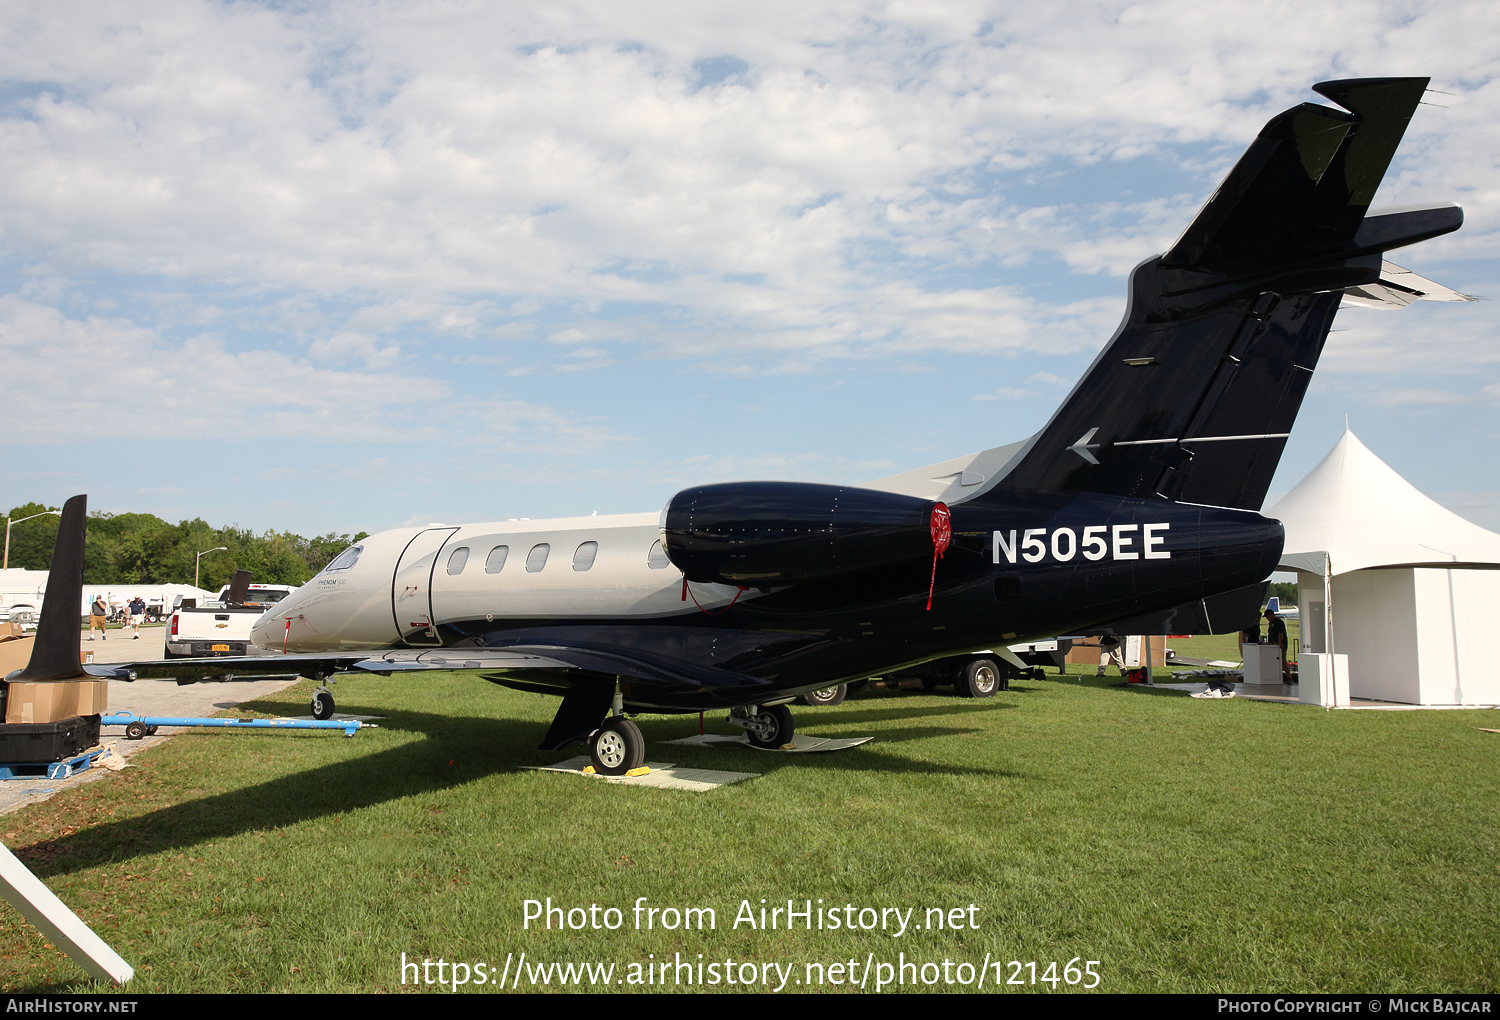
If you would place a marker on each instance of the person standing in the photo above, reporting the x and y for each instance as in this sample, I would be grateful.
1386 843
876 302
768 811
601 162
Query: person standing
1276 635
1111 648
137 611
98 617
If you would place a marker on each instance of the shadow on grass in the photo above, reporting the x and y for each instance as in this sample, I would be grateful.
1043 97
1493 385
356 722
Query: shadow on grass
868 713
1117 685
458 750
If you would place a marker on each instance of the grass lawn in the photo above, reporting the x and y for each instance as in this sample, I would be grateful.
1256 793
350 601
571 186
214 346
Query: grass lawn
1187 845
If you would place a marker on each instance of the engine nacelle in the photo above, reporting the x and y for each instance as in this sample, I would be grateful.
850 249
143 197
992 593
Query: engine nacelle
769 534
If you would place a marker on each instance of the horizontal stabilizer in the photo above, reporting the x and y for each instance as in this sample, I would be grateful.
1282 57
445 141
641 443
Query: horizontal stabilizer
1398 288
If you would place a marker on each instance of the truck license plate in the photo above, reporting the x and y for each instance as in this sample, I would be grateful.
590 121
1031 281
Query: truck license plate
220 648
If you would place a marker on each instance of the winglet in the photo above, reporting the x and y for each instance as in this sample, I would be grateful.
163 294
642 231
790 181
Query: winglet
55 654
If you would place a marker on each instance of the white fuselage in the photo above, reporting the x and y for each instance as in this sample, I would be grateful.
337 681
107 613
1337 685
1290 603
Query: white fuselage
409 581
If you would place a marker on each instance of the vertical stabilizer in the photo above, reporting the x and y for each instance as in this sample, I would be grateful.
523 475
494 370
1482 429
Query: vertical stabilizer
1195 396
55 654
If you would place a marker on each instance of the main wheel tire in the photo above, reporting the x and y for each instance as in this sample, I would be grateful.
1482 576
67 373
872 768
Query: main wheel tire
826 697
617 747
775 727
322 705
979 679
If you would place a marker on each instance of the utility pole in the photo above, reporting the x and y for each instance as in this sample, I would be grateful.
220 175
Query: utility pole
5 563
221 548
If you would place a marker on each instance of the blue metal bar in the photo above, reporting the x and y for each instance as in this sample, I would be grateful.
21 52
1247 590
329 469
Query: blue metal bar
349 726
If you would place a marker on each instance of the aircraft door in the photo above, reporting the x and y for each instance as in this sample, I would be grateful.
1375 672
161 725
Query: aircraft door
411 588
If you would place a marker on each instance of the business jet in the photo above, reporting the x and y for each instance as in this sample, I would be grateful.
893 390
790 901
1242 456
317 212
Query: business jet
1135 506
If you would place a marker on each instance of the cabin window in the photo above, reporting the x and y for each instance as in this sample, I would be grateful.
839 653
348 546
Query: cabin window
344 560
537 558
657 559
495 561
583 556
458 559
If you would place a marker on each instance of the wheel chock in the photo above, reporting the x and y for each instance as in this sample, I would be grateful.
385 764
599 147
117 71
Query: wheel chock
642 771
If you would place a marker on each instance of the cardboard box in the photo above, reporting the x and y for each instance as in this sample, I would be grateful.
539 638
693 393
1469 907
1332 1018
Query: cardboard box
53 702
1085 651
15 652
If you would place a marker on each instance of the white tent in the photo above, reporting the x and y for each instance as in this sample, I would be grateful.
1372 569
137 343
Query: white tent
1407 589
29 588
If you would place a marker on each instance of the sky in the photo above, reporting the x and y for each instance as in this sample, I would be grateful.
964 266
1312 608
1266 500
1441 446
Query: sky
343 267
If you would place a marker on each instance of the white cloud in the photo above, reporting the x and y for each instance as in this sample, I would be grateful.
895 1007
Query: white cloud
342 346
425 159
371 204
95 378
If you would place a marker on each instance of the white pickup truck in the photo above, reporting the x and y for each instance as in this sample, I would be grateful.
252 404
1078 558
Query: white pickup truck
219 629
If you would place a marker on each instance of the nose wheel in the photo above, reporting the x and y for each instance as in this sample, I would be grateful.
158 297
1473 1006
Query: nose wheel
322 704
617 747
765 726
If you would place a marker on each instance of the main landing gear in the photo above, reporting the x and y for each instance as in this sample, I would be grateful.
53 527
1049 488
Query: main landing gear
827 697
617 747
765 726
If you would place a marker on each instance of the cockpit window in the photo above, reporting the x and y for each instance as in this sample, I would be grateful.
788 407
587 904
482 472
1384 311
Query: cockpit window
344 560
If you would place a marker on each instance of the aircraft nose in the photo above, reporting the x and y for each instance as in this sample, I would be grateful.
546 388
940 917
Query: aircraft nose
268 631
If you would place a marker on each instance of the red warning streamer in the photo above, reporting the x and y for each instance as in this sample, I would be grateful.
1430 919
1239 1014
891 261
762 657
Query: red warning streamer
686 591
942 534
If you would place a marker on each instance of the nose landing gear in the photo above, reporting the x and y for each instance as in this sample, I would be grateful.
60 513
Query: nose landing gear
322 699
765 726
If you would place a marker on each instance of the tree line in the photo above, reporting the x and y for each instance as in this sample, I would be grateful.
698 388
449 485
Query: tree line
144 549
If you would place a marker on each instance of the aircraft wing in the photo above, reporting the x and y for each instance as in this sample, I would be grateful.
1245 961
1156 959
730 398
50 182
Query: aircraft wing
587 684
305 664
